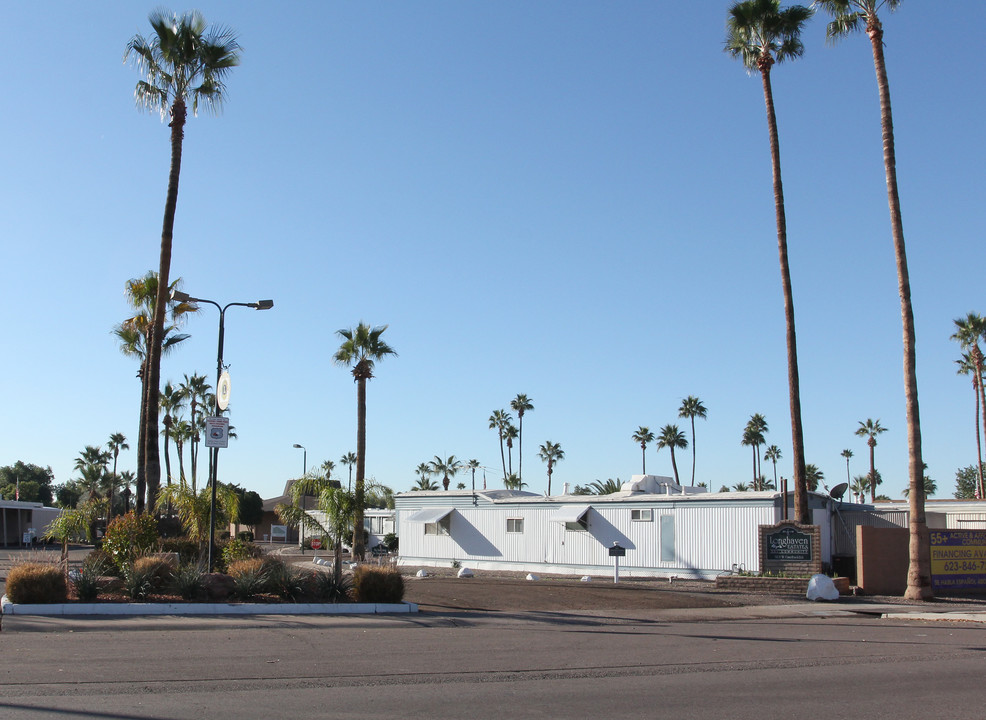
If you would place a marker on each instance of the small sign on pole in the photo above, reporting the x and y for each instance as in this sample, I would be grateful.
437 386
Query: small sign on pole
616 552
217 432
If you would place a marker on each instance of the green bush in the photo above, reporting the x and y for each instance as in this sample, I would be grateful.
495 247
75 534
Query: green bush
86 580
245 536
391 542
34 582
186 580
322 587
377 585
239 550
188 550
130 536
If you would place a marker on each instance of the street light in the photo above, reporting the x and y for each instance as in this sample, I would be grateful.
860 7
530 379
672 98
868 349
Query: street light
179 296
304 496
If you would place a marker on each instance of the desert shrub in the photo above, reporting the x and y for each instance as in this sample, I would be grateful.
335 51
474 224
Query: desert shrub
245 536
188 550
102 559
239 550
130 536
377 585
282 580
249 578
86 579
35 582
158 569
322 587
186 580
138 580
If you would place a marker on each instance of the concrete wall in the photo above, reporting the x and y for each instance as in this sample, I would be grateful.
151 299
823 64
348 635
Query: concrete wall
881 560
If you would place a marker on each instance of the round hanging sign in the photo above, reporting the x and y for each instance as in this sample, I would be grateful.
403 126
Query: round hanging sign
223 390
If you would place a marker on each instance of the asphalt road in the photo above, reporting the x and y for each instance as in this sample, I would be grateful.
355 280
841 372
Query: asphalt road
737 663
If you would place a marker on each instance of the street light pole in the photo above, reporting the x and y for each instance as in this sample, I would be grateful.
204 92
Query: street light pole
180 296
304 497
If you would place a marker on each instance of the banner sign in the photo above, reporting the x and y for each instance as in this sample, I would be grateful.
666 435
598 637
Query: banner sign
958 559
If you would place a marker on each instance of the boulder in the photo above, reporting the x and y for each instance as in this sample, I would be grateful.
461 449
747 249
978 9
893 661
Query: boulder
218 586
421 573
532 576
821 587
585 578
465 573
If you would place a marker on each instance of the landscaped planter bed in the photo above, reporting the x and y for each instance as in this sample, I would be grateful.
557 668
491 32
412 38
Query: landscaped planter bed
753 583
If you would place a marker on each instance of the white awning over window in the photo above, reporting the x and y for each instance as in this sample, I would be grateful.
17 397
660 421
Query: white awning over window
429 515
569 513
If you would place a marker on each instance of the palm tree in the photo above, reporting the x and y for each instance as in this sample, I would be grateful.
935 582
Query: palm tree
848 16
815 476
116 443
193 509
196 390
338 506
847 454
362 348
859 485
424 472
773 454
520 405
870 429
551 453
741 487
500 421
425 483
760 34
750 440
126 480
968 331
605 488
447 468
134 335
473 465
171 402
691 408
509 434
671 437
349 459
180 432
512 482
181 61
643 436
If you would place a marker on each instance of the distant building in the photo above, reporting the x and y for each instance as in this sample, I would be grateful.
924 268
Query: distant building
20 522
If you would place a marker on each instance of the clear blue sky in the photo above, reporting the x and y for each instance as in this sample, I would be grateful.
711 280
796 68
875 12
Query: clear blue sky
570 200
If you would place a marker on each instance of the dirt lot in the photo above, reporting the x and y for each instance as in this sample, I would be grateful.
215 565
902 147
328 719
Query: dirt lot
442 591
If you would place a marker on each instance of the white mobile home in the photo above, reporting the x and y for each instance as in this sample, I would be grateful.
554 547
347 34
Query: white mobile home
667 530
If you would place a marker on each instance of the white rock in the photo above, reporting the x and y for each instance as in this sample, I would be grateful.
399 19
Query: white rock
421 573
821 587
465 572
532 576
585 578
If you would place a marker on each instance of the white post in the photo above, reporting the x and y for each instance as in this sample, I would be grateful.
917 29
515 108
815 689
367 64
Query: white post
616 569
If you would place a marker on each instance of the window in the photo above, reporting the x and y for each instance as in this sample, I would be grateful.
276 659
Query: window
642 515
580 525
667 538
441 527
515 525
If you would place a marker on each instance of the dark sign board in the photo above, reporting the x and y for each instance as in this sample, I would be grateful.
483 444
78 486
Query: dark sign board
617 551
788 545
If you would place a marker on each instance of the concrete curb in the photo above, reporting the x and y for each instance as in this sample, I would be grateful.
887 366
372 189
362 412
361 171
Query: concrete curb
136 609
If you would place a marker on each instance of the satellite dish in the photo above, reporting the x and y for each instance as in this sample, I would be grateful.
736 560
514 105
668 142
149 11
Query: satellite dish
838 491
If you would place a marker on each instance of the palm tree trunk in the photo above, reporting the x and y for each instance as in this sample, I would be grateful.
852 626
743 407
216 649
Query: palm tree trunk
794 389
872 444
549 477
109 511
980 404
503 458
919 568
643 458
141 488
674 466
359 547
693 450
520 445
152 457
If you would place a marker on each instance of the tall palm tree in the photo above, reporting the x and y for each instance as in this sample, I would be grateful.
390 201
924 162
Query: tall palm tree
134 335
349 459
473 466
760 33
551 453
181 61
500 420
509 434
171 403
361 349
671 437
92 464
848 16
691 408
869 430
773 454
181 431
448 468
116 443
196 390
520 405
968 332
750 440
753 436
847 454
126 480
644 436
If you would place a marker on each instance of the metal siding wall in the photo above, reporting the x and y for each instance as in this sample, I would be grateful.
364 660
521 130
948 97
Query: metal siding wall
965 521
